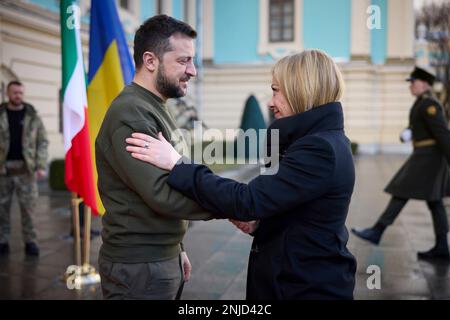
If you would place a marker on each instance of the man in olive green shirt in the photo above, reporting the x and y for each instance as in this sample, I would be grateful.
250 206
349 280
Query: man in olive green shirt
142 256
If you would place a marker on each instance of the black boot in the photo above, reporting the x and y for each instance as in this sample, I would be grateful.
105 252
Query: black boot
438 252
31 249
4 249
373 235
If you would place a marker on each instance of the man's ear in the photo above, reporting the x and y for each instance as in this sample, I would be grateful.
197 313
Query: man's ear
150 61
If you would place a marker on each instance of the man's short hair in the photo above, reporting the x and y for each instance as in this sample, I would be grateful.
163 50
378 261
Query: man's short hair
13 83
153 36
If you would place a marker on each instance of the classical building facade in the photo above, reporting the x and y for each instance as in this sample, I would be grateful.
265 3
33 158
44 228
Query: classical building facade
372 41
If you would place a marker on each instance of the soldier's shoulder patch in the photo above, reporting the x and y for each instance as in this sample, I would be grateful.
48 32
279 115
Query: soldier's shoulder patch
431 110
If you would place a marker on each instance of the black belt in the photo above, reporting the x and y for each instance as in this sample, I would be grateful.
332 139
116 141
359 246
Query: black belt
15 167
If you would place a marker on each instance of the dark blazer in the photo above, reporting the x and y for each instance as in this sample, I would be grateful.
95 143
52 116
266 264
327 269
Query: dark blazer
299 249
425 175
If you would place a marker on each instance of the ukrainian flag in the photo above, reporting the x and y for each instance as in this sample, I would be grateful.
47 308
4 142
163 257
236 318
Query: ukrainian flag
110 67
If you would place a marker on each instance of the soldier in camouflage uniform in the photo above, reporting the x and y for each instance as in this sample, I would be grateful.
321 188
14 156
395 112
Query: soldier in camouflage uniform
425 175
23 160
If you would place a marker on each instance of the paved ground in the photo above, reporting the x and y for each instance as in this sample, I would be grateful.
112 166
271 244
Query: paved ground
219 252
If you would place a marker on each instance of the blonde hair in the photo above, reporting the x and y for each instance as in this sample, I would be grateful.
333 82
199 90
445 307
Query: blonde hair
308 79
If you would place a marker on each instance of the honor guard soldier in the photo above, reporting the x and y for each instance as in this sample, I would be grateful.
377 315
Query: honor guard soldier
425 175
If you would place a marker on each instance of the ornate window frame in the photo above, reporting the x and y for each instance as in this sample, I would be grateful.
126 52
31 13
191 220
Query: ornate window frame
279 49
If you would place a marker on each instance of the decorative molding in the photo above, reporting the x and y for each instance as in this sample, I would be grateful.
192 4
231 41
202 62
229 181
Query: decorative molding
35 18
28 42
360 58
403 61
280 49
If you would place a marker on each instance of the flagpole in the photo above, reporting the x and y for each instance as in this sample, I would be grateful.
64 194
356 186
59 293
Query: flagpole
89 274
82 273
79 176
76 228
87 235
199 57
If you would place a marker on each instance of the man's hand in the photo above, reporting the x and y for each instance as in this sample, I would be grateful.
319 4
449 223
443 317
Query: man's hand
245 226
187 267
41 174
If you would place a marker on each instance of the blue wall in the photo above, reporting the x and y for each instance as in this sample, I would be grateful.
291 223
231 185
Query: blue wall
236 31
326 26
51 5
378 37
178 9
148 9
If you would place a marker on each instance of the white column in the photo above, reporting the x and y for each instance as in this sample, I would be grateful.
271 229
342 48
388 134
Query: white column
400 24
360 33
2 63
208 29
1 42
208 24
166 7
190 9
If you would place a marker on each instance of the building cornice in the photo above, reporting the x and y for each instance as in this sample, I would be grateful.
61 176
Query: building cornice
33 17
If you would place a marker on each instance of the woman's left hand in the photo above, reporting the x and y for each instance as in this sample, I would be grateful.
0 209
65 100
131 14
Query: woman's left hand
245 226
187 267
157 152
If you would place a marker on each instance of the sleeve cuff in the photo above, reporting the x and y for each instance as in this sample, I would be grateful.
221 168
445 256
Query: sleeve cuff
177 173
184 160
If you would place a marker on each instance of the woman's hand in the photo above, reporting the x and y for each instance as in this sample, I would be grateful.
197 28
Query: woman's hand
246 226
157 152
187 267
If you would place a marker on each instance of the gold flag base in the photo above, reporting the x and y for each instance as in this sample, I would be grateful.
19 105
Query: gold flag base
81 273
78 276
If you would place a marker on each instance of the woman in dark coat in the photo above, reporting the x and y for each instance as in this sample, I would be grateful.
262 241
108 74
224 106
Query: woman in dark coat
299 249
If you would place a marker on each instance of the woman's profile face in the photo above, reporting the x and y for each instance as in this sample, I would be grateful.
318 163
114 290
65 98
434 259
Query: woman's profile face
278 103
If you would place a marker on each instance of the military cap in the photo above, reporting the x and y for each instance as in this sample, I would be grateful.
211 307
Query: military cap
421 74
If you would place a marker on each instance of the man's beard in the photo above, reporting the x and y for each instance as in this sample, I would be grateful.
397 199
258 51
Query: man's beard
167 88
16 103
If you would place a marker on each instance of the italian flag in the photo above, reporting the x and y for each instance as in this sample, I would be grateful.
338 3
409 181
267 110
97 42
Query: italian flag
79 176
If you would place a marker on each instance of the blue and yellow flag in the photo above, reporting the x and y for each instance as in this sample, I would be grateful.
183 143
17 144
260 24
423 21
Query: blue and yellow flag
110 66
